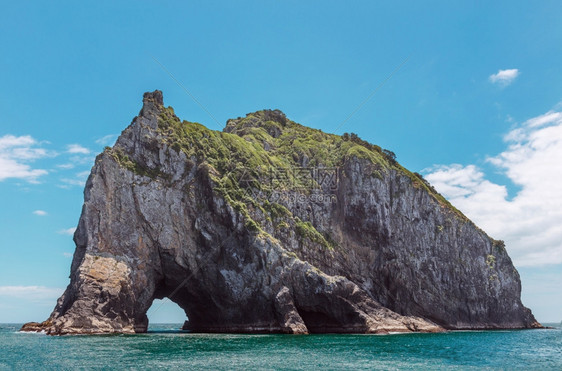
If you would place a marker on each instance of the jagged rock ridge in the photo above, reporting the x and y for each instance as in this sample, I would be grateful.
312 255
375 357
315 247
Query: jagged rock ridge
270 226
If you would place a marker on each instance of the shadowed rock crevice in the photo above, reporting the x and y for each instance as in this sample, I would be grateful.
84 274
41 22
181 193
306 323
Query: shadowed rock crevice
273 227
318 322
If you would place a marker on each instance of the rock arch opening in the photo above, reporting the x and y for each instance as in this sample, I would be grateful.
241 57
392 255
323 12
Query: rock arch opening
318 322
166 312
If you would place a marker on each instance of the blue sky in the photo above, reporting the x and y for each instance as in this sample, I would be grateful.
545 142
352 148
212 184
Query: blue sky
476 108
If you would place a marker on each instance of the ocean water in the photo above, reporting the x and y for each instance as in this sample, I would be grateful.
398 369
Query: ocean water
163 347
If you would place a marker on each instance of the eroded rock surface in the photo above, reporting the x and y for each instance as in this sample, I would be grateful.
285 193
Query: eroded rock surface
270 226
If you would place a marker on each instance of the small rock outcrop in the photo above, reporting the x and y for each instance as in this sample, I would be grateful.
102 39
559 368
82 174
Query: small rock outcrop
270 226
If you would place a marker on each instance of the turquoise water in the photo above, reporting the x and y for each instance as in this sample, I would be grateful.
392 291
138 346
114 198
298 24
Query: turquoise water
165 348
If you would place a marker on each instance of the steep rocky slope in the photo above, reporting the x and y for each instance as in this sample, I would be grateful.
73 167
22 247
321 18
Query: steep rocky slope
270 226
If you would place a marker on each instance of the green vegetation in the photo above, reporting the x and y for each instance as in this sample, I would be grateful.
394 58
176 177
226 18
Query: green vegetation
283 225
137 168
498 245
361 152
306 230
276 210
248 161
491 261
296 145
418 181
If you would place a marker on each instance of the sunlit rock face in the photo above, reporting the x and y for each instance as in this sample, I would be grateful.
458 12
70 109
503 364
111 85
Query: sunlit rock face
270 226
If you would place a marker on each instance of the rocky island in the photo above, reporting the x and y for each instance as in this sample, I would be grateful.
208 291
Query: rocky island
273 227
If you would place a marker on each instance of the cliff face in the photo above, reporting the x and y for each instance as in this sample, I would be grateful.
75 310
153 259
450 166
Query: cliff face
270 226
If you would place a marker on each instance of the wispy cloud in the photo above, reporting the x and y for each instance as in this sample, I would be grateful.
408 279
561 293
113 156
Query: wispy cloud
34 293
504 77
77 149
66 166
68 231
545 119
16 153
40 212
530 221
107 140
67 254
79 179
82 160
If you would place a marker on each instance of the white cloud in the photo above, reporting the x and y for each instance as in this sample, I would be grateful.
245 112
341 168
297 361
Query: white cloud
77 149
79 179
15 152
67 254
107 140
72 182
547 118
504 77
82 160
65 166
35 293
529 222
68 231
40 212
